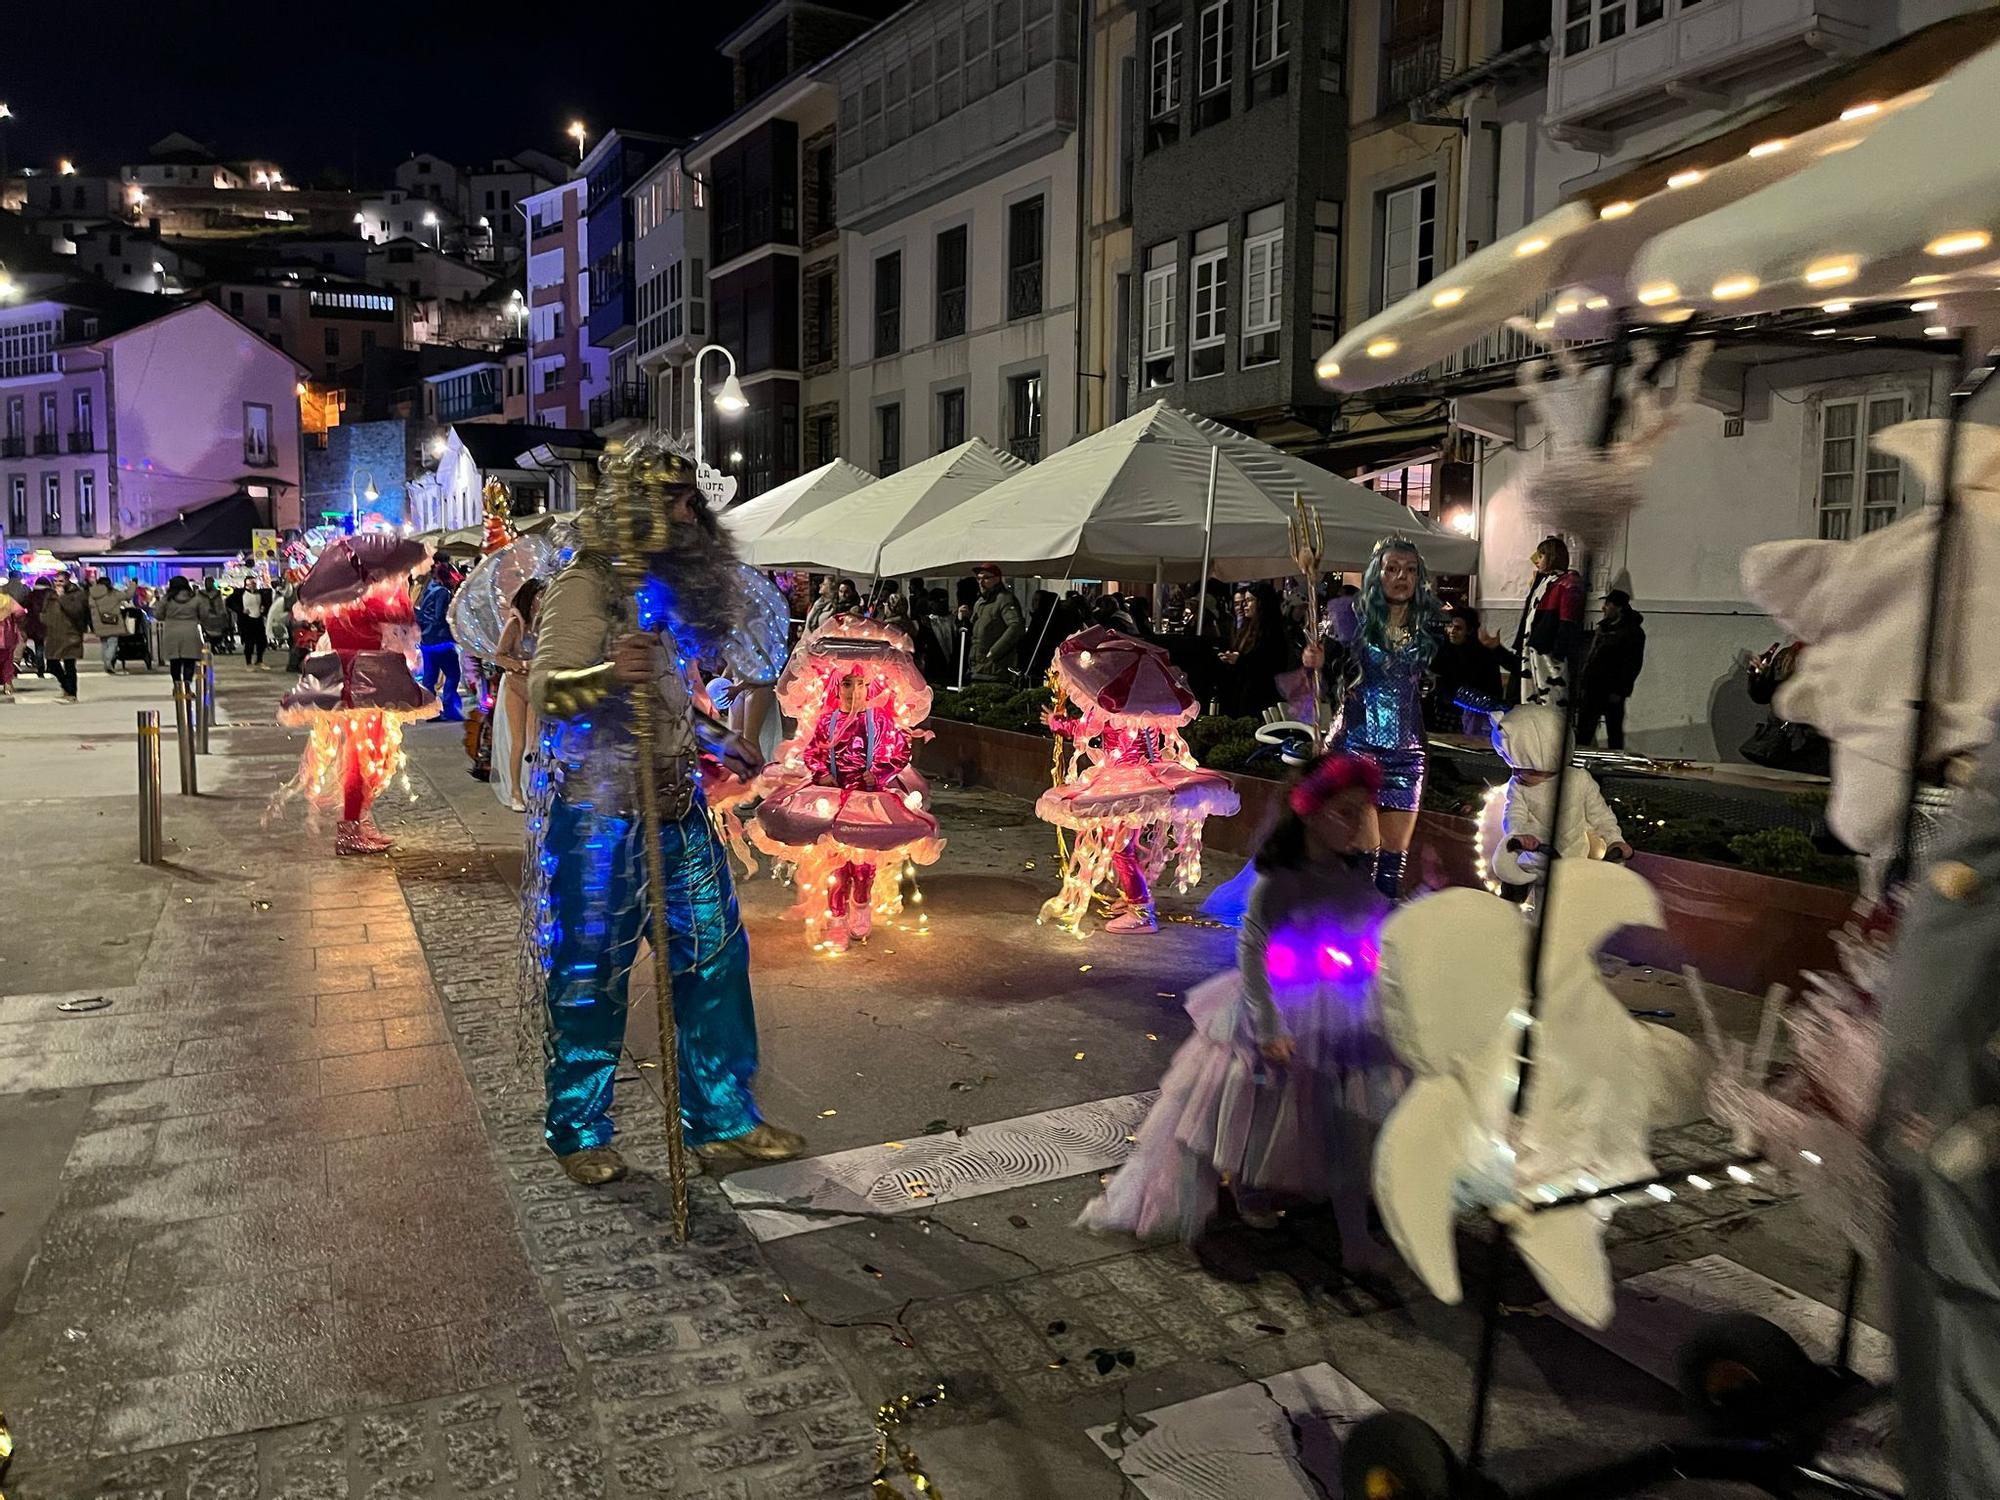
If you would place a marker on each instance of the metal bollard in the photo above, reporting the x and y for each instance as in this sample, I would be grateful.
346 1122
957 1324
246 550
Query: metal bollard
205 704
149 787
184 716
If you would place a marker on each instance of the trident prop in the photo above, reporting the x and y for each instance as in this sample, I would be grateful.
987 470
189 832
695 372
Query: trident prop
1308 546
630 565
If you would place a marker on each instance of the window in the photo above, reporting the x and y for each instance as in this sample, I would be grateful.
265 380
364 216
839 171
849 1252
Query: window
888 439
824 296
826 438
236 304
822 199
1165 89
85 423
1024 258
1326 266
951 266
1024 416
86 502
1121 343
1263 284
1162 313
889 306
17 505
1208 301
17 418
1217 42
1410 486
950 418
331 341
274 306
52 505
256 433
45 438
1853 472
1409 241
1267 32
1587 23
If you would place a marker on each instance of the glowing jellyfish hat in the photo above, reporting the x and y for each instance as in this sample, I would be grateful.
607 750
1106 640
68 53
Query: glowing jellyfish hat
882 653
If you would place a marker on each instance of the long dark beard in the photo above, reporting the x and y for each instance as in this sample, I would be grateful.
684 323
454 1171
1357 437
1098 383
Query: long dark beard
703 575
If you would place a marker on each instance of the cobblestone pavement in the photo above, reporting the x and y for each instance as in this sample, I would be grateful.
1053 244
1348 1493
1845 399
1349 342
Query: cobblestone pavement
301 1237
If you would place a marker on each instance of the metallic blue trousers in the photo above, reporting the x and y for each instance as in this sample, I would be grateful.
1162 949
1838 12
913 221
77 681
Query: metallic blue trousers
597 890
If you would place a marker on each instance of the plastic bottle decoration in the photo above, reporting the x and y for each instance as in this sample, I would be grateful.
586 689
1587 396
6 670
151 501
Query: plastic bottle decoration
499 509
841 801
1131 790
1602 1081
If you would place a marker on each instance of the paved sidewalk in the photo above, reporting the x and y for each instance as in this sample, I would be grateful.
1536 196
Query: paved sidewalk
291 1252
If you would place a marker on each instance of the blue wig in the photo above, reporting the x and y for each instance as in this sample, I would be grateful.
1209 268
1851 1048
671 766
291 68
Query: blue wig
1426 616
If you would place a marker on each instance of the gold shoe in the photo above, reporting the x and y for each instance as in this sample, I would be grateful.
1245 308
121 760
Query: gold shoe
765 1142
594 1166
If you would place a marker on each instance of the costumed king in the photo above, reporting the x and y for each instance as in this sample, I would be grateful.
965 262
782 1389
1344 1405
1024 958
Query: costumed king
1390 631
356 694
595 648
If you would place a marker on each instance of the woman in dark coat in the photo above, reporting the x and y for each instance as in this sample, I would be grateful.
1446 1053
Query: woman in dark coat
1261 650
65 617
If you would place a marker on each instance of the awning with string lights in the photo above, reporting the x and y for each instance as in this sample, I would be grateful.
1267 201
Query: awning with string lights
1879 181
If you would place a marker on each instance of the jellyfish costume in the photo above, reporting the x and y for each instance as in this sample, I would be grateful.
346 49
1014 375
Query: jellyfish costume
356 695
842 800
1131 790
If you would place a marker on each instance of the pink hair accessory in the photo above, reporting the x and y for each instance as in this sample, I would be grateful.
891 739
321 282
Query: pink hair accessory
1328 778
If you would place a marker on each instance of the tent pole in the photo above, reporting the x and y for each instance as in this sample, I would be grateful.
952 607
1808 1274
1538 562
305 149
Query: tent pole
1159 591
1207 545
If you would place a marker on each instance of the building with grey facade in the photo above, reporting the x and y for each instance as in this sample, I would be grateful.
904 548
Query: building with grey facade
1238 176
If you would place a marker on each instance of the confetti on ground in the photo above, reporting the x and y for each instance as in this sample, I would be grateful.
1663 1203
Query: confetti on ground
1079 1057
828 1114
1152 1036
1085 968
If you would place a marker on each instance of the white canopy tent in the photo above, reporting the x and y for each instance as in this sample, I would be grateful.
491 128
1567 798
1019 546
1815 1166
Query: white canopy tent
794 499
1765 217
850 534
1155 495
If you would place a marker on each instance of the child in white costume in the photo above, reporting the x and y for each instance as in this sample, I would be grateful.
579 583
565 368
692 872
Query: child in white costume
1515 828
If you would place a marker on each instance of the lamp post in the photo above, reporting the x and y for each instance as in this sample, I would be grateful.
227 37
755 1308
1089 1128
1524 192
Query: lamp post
437 229
730 400
367 492
576 133
6 114
518 305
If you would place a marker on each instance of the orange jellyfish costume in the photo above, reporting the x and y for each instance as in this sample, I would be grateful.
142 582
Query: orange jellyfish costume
356 694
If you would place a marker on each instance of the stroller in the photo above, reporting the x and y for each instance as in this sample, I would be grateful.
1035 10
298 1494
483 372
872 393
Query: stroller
136 644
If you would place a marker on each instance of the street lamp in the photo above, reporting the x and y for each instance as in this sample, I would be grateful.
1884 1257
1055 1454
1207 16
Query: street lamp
6 114
367 492
431 223
729 400
518 305
576 134
65 168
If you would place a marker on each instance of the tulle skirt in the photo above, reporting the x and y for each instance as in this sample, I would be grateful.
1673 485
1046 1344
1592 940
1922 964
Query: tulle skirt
1225 1117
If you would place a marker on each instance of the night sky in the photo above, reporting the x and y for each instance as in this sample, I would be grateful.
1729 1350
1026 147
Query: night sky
333 92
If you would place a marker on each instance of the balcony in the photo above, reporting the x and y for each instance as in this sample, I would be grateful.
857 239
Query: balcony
84 441
13 447
47 442
950 313
1027 448
1483 362
622 400
545 229
1024 291
482 403
1631 63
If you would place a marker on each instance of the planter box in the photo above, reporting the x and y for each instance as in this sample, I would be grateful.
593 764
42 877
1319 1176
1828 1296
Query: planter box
1741 929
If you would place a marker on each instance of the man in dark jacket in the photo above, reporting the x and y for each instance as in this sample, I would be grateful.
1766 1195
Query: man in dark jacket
998 627
1617 652
440 649
1469 663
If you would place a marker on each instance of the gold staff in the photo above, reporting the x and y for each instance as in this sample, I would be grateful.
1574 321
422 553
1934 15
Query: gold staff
1308 546
630 565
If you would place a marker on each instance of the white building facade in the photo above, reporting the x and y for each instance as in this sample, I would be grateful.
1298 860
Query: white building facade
957 197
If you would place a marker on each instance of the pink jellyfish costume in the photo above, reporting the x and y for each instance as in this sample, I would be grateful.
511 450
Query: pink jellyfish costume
842 798
357 694
1132 792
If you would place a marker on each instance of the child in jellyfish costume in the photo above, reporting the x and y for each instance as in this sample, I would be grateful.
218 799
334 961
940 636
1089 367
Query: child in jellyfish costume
843 799
1134 796
356 694
1278 1093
